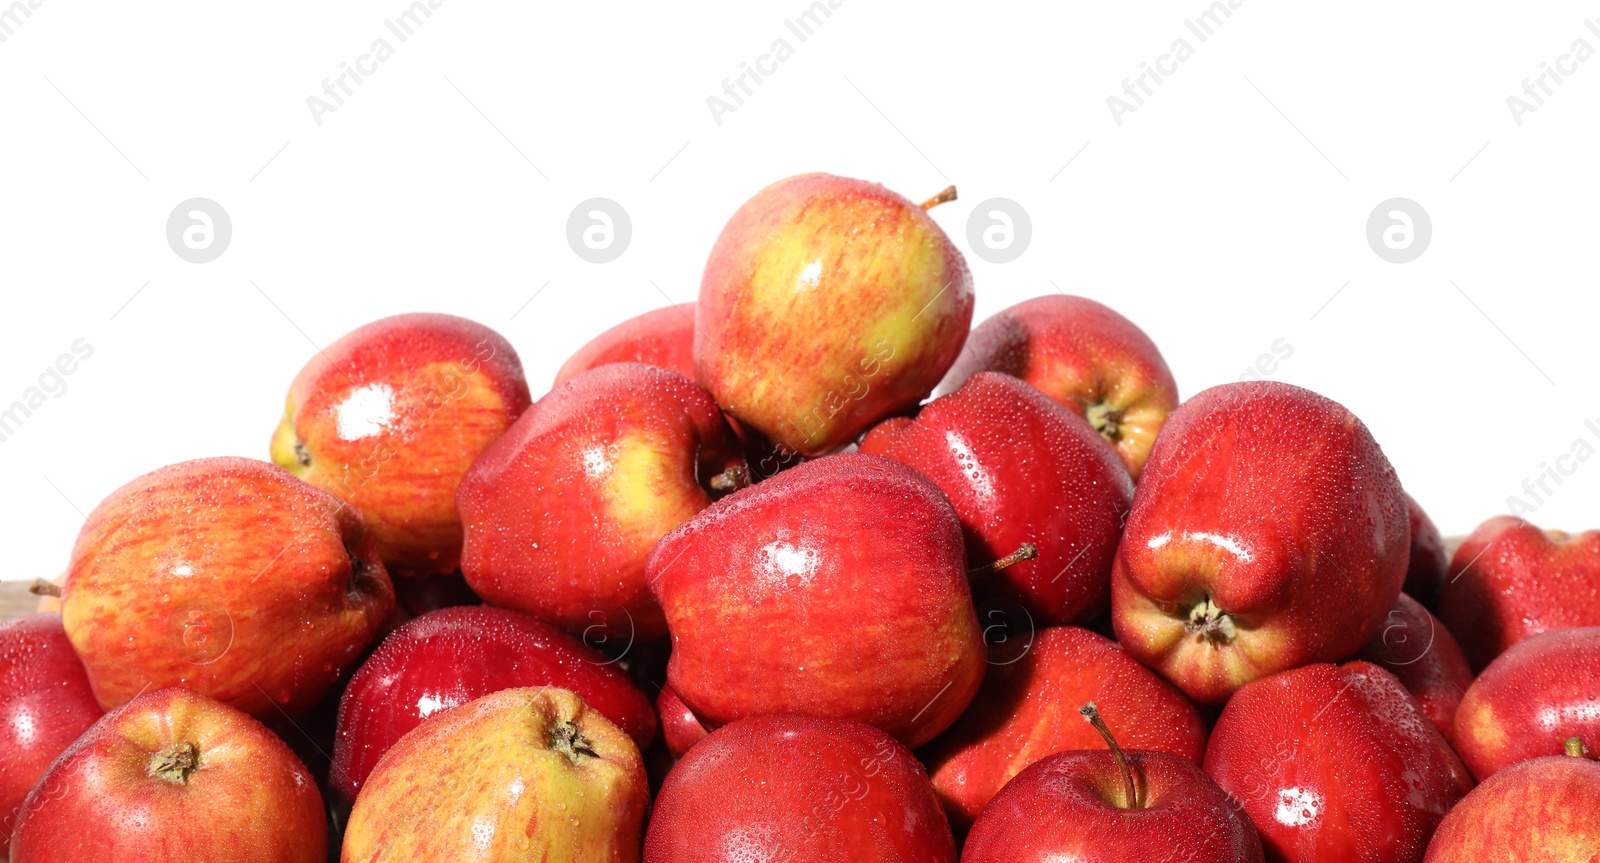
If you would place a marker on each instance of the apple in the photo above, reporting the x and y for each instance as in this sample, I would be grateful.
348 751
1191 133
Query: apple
1531 701
1335 763
680 728
1268 532
390 416
1028 706
1116 806
173 775
521 774
1417 649
450 657
1510 580
45 704
1430 560
1085 356
1020 468
798 788
1546 810
663 338
827 305
562 511
835 589
227 576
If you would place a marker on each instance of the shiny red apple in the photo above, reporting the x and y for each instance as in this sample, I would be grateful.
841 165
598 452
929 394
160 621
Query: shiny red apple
390 416
173 776
1020 468
1335 764
1416 648
562 511
680 728
1085 356
663 338
1268 531
1430 560
1542 811
1531 700
1510 580
798 788
837 589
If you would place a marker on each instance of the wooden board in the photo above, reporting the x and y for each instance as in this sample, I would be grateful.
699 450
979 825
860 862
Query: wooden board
15 600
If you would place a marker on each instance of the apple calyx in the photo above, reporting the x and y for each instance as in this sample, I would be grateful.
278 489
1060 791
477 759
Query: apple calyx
732 479
1026 551
945 196
566 739
1211 623
1129 786
1574 747
1105 419
175 762
40 587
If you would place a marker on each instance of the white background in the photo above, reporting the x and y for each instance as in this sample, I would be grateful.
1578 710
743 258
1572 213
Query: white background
1209 216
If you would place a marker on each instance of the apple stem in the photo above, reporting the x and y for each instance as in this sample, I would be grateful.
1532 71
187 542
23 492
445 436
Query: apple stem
1575 747
945 196
175 762
1131 788
45 588
566 739
729 480
1025 552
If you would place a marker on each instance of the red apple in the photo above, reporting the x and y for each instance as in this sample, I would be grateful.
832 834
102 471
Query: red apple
1542 811
1112 806
849 289
680 728
450 657
173 775
390 417
1268 532
227 576
835 589
1531 700
1085 356
663 338
45 704
1028 706
1430 560
798 788
522 774
1416 648
1510 580
1335 763
562 511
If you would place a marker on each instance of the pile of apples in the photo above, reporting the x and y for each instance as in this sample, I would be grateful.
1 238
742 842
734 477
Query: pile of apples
737 590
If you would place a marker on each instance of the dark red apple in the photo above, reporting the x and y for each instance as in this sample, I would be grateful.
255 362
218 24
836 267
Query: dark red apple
1416 648
837 588
663 338
798 788
1268 532
173 775
1335 763
1114 807
1542 811
1531 700
45 704
1430 560
1510 580
562 511
1085 356
1020 468
1027 709
680 728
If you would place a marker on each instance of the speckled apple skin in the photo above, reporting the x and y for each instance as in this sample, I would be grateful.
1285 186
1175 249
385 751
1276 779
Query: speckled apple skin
1028 706
663 338
828 304
450 657
561 512
1335 764
1430 560
45 704
1530 700
1510 580
1542 811
227 576
390 416
793 788
1073 806
481 784
1277 504
680 728
1422 654
1020 468
1082 354
249 801
836 588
